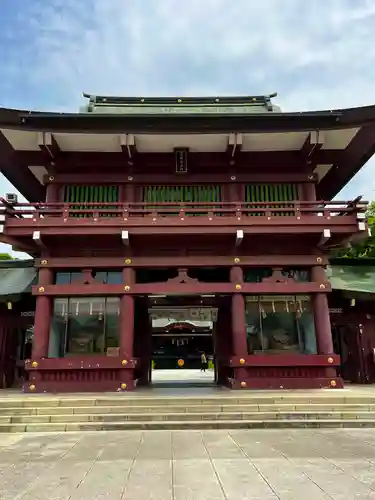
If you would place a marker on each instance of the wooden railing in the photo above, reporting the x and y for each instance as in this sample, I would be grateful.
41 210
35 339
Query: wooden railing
125 211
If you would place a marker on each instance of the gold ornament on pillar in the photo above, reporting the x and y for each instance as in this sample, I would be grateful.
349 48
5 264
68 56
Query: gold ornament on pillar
330 360
236 260
124 362
126 288
319 260
242 361
243 385
128 261
41 289
34 364
123 386
44 262
238 287
333 383
32 387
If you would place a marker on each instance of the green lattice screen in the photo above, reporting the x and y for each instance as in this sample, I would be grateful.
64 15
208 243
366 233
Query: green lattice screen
272 193
178 194
91 194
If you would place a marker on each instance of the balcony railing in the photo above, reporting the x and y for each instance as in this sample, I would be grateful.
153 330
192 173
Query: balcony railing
210 210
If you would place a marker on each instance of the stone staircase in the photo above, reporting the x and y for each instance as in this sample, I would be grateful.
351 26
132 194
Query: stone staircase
43 413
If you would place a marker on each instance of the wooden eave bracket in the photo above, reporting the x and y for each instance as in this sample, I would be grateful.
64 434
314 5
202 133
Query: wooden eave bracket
324 237
37 239
2 220
235 140
125 238
127 144
239 237
361 222
48 144
313 143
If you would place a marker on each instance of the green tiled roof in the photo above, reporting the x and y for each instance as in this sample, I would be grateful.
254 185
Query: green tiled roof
14 281
355 278
179 105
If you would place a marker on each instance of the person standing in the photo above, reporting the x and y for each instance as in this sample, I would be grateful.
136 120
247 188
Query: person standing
203 362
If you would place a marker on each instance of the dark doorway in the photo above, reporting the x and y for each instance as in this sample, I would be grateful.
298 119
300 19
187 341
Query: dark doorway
347 343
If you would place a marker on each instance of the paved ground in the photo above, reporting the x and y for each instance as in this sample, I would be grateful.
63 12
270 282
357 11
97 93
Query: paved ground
182 376
209 465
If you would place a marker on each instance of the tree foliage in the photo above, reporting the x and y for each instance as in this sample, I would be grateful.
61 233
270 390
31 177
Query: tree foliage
366 248
6 256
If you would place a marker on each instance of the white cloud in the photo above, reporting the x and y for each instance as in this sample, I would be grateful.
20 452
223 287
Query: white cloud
316 54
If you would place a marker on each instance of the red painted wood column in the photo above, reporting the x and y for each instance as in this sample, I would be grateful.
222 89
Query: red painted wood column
321 314
52 192
127 316
239 340
43 316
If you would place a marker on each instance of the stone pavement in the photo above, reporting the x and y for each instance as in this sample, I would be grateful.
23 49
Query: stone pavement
208 465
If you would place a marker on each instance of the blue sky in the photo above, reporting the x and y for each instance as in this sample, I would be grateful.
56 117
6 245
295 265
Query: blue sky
316 54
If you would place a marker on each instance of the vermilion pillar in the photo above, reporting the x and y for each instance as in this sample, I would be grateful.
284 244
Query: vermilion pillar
52 193
127 316
238 321
43 315
321 314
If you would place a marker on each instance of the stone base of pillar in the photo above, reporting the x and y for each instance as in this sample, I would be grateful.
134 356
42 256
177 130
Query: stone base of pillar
81 374
286 383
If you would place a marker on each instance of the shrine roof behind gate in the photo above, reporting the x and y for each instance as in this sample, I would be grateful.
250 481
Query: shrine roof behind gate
338 142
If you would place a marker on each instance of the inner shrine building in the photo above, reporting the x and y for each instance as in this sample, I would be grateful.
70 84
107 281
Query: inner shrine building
217 207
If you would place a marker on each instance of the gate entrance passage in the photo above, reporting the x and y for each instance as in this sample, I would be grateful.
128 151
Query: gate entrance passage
182 342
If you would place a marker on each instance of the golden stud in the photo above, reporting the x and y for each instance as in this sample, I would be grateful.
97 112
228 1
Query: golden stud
243 384
322 286
51 178
41 289
124 362
319 260
242 361
238 287
333 383
32 387
44 262
123 386
330 360
128 261
126 288
34 364
236 260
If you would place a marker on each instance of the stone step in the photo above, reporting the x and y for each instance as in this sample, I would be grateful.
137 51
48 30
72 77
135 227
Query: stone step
330 397
228 408
186 425
184 417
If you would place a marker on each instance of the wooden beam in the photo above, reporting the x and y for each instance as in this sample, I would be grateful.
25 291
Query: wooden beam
48 145
165 179
349 162
17 245
80 227
191 261
178 289
147 162
18 174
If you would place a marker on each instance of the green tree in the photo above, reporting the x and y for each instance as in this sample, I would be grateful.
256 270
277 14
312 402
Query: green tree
366 248
6 256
